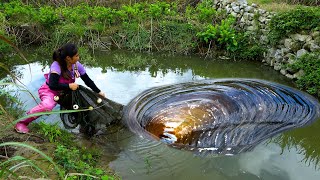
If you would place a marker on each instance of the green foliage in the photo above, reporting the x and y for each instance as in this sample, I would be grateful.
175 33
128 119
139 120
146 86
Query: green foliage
52 131
161 9
297 20
310 64
248 47
223 34
47 16
205 11
137 37
78 14
132 13
5 48
104 14
176 37
18 13
73 159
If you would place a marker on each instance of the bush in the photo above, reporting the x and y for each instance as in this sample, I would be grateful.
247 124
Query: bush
223 34
248 47
300 19
310 81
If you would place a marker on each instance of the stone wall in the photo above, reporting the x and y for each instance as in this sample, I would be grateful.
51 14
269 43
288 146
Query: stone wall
252 18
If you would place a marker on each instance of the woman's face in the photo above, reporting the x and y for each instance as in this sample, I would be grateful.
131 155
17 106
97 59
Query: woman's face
73 59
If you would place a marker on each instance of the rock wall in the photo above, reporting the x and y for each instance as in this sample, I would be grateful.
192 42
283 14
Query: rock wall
252 18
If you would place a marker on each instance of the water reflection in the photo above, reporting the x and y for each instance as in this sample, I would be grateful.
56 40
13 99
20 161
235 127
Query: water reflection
305 140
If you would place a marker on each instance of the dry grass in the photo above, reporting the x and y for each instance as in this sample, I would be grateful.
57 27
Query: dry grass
273 6
277 7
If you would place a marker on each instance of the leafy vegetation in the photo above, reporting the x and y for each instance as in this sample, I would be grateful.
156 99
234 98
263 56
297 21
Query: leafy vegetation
310 64
157 26
295 21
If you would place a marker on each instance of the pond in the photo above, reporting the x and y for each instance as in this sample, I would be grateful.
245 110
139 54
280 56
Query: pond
293 155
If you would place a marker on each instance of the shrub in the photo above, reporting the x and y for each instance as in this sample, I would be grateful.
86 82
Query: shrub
248 47
300 19
223 34
310 81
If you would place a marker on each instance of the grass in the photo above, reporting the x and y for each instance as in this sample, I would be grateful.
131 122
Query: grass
273 6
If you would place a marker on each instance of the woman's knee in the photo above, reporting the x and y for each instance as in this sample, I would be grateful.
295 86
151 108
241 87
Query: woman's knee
48 106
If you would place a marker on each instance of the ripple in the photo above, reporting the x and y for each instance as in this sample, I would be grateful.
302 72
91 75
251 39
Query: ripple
221 116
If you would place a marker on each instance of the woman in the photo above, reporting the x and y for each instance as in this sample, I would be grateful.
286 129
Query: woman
63 72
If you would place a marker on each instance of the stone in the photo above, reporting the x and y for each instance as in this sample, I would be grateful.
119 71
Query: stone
300 37
298 74
248 9
278 55
234 14
288 42
315 34
250 28
262 19
264 39
283 71
314 47
290 58
262 11
301 52
242 1
236 9
289 76
277 66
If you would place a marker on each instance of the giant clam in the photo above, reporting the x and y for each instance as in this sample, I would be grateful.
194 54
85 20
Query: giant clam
220 116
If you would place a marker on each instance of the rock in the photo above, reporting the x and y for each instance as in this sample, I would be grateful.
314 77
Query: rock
315 34
262 11
289 76
311 46
314 47
298 74
277 66
291 44
242 1
290 58
262 19
283 71
301 52
301 38
234 14
248 9
236 9
264 39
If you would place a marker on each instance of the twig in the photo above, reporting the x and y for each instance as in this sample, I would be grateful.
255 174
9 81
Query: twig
208 50
4 157
115 42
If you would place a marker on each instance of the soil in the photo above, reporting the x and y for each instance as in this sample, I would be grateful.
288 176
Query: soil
34 140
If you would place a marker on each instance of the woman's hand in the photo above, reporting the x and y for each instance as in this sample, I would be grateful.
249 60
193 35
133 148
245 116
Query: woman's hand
73 86
102 94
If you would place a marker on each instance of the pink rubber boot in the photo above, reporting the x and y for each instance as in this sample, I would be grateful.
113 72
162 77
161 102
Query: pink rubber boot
47 104
21 126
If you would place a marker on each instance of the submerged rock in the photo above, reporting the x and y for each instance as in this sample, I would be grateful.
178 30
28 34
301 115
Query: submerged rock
222 116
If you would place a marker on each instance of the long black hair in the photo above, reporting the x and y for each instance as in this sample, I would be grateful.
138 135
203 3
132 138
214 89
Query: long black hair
60 55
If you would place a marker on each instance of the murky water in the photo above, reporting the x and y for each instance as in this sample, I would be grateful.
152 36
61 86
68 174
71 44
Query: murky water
291 156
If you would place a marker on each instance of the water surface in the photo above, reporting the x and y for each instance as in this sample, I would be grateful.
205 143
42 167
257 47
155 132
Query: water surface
291 156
